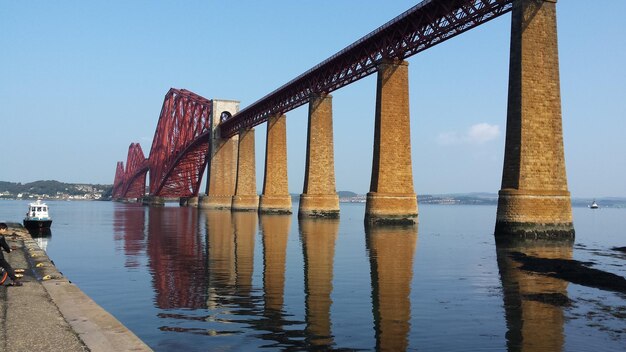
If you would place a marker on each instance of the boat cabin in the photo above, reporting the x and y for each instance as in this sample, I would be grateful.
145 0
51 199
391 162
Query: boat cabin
37 216
37 211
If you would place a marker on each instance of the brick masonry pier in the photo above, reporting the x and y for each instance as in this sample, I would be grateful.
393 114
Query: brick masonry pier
275 198
534 200
319 196
48 313
246 198
222 168
391 199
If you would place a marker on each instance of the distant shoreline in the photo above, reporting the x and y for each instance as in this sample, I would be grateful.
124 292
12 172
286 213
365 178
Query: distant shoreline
54 190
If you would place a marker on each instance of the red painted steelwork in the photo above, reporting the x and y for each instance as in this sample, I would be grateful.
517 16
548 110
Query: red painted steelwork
135 174
178 268
421 27
179 150
119 180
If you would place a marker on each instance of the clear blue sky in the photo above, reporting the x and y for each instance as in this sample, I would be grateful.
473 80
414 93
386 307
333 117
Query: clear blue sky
81 80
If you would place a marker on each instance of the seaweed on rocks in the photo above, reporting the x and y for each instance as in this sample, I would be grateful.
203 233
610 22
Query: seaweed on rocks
574 271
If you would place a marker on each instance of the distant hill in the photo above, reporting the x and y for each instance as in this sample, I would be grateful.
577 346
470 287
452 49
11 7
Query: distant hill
51 189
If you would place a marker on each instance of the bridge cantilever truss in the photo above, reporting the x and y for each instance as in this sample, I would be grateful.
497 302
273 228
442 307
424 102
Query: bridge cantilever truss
131 182
118 181
136 169
179 150
421 27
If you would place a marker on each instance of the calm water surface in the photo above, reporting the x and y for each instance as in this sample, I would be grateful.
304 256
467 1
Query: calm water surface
185 279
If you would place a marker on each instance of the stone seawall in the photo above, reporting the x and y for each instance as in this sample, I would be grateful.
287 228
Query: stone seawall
49 313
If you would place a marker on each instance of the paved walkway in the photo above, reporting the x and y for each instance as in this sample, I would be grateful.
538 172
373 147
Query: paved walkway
50 314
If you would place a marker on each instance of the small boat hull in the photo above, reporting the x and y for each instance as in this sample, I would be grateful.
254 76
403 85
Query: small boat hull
37 224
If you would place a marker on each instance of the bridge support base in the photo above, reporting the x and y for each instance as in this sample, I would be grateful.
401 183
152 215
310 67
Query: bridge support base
153 201
391 209
215 202
275 204
188 201
319 206
534 215
245 203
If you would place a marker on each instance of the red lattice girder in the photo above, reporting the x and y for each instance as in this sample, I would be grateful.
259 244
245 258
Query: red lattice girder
177 263
119 180
179 150
426 24
135 174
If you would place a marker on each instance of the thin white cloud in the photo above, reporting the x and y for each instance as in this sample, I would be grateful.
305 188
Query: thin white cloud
448 138
479 133
483 133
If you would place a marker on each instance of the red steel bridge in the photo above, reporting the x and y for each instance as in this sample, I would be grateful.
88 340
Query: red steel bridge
180 147
178 155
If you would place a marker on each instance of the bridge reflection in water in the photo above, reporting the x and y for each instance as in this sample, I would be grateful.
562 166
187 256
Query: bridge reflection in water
533 303
391 256
202 268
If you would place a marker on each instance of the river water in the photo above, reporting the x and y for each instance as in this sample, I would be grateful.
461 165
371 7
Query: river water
184 279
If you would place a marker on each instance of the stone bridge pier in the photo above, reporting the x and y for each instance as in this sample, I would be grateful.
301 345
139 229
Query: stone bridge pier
275 198
319 196
246 198
534 200
391 199
222 165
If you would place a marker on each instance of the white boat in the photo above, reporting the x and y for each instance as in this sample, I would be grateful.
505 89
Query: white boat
594 205
37 216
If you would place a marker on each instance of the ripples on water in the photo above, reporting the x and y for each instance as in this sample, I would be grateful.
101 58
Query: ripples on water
193 280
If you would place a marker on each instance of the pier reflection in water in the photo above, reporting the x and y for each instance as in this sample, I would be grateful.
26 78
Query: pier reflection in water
129 229
391 256
318 238
533 303
196 280
177 262
202 268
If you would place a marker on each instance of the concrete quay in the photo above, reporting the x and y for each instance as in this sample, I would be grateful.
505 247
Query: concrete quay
49 313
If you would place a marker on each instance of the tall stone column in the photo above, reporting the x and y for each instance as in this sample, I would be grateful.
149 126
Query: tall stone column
275 197
534 200
391 198
222 168
319 197
246 198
